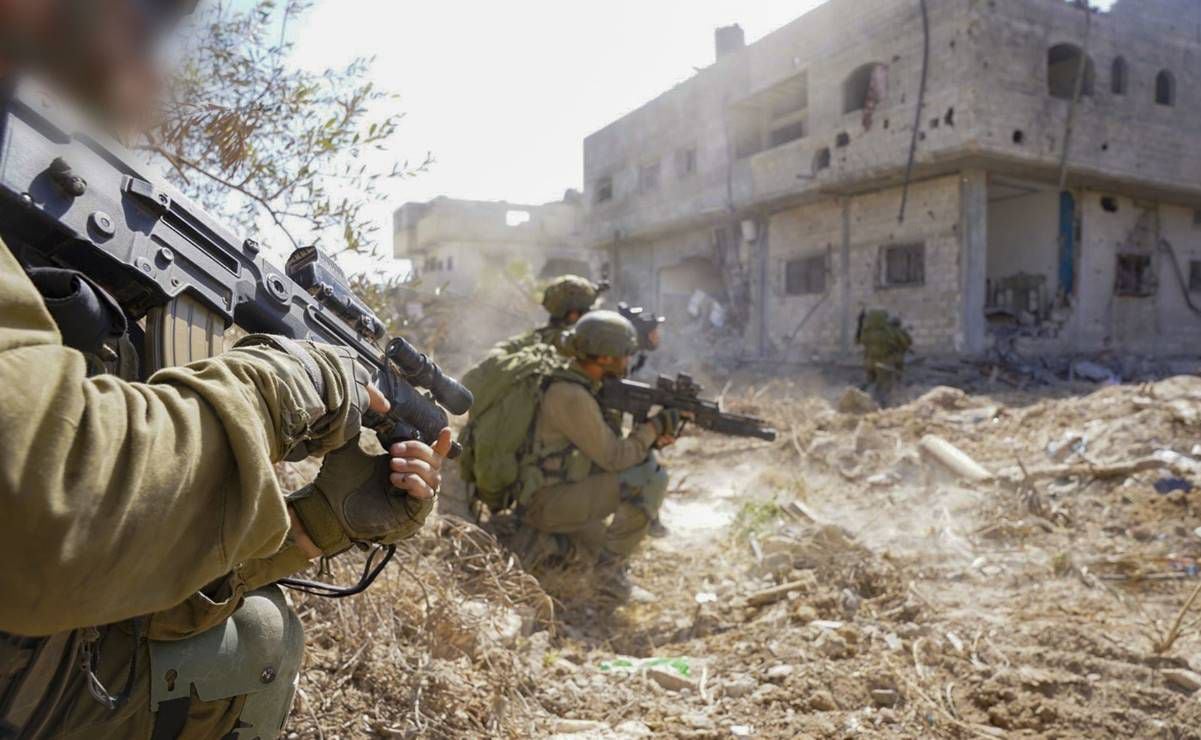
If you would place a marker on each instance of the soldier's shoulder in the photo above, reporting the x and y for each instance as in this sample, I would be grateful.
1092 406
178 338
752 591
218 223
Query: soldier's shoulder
568 387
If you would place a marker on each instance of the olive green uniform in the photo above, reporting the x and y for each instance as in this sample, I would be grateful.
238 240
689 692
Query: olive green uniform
124 499
885 343
590 473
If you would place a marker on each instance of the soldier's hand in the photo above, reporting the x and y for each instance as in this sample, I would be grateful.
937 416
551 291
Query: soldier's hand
359 497
416 468
377 401
667 422
665 440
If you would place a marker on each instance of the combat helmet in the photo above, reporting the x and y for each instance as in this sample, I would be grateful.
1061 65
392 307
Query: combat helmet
569 293
603 334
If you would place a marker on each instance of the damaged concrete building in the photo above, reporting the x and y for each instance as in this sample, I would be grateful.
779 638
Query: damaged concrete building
459 243
982 168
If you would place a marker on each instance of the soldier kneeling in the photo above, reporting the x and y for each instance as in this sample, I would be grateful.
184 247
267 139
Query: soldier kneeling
588 471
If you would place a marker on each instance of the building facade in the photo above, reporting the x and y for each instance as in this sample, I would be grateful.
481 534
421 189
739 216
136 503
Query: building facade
462 244
983 169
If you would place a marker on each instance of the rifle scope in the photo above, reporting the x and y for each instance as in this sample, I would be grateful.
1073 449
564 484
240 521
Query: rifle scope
423 372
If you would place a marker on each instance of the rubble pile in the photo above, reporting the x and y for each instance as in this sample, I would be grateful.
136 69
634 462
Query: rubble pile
960 566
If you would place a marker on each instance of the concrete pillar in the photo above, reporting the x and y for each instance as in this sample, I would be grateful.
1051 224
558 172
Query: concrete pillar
763 257
973 260
844 276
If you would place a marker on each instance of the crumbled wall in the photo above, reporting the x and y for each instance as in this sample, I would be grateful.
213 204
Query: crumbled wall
1158 323
930 310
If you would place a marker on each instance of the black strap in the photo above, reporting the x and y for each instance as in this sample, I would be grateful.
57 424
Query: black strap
170 718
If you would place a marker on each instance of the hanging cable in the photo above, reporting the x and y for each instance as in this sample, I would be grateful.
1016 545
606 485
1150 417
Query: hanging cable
917 117
1166 246
1081 75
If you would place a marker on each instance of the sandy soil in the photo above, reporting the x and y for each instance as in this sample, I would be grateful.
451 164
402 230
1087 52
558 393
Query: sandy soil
1038 604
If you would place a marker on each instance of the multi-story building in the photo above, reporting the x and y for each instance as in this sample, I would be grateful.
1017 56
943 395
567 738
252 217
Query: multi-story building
975 166
461 243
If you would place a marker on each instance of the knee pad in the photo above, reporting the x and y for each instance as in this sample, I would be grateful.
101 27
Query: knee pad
255 653
645 486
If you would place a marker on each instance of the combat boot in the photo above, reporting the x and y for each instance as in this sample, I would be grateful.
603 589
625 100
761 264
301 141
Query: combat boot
657 529
612 578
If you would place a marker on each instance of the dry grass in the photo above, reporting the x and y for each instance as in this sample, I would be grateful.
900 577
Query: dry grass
428 650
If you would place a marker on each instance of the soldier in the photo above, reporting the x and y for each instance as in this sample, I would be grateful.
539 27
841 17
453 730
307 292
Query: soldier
566 299
885 343
143 523
588 471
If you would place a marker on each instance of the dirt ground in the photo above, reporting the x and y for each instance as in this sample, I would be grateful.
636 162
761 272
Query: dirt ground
841 582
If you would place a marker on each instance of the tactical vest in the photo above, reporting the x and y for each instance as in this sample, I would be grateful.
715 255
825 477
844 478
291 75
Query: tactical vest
567 464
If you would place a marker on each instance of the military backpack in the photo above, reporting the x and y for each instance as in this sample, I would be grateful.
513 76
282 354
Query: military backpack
498 439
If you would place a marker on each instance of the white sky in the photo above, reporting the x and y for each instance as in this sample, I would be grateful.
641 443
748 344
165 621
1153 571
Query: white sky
503 93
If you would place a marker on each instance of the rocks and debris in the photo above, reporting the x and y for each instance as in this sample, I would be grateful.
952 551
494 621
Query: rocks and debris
1164 486
772 595
1182 679
855 401
1095 372
670 679
867 596
953 459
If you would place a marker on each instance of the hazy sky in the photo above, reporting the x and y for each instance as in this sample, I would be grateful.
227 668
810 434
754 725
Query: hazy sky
503 93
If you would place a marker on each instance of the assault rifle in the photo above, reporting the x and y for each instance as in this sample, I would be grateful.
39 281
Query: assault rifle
69 198
646 324
683 394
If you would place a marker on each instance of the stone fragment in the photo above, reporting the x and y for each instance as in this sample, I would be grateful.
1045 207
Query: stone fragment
1182 678
855 401
633 728
739 685
670 680
778 673
571 726
822 701
885 697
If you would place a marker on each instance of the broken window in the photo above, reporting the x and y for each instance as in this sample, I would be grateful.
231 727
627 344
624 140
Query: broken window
685 161
450 264
1165 88
1134 276
865 88
1063 67
1119 77
821 160
770 117
1194 276
805 276
517 218
787 133
648 177
902 264
604 190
